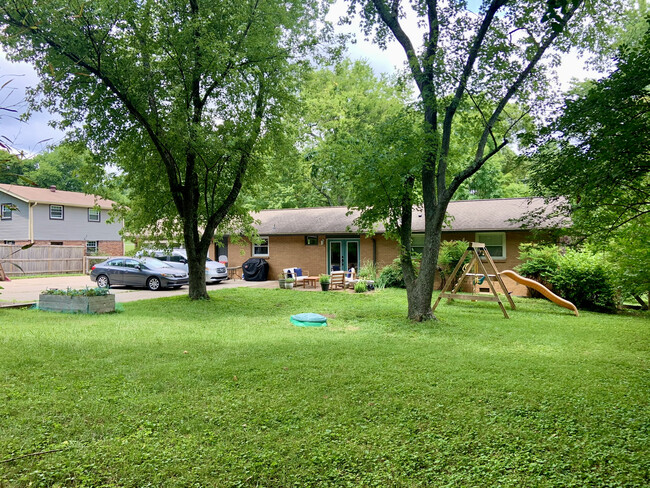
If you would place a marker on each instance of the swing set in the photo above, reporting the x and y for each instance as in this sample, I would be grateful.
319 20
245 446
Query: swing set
480 274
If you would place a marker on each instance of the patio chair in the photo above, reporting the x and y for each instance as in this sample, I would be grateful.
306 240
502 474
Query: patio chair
337 280
351 278
298 274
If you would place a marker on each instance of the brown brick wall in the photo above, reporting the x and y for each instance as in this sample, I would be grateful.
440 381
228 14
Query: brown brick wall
291 251
110 248
284 252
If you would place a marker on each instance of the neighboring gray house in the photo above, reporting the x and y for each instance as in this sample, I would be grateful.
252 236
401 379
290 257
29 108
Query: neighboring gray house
53 217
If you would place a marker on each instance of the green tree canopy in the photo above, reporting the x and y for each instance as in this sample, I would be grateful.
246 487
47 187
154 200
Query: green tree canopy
491 59
340 110
14 168
596 156
597 153
61 166
180 94
355 133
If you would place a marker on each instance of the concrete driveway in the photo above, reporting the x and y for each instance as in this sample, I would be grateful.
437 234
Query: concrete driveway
28 289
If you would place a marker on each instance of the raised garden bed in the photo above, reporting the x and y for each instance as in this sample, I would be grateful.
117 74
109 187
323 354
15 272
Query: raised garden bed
89 300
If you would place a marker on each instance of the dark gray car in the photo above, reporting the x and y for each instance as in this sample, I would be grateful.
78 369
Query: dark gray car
145 272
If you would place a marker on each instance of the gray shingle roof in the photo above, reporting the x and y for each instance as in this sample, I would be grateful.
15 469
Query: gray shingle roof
466 215
56 197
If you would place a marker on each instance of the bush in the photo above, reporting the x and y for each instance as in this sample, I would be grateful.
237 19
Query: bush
540 263
360 287
578 276
584 279
368 270
448 256
391 276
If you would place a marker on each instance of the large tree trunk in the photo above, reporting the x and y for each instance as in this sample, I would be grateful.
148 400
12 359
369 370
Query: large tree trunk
419 292
196 266
196 248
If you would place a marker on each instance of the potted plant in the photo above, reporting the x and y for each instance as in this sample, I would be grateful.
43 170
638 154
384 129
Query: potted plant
286 283
86 300
324 282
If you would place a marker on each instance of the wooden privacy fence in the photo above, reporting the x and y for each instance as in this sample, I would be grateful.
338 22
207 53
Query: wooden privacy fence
42 259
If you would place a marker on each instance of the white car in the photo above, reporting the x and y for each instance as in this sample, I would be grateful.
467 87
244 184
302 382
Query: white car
215 272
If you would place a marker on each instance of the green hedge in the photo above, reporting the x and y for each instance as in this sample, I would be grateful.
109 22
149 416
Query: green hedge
582 277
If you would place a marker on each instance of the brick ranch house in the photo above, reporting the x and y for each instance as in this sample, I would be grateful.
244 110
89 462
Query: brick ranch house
322 239
51 217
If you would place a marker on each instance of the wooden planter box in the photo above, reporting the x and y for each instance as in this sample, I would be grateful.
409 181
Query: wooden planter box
77 304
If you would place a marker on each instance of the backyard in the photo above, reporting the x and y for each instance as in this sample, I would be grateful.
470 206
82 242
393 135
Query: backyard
228 392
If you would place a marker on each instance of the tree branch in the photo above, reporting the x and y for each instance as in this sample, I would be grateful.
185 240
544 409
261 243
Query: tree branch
479 160
392 21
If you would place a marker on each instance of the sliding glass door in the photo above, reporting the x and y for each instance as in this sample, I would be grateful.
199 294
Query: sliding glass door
343 254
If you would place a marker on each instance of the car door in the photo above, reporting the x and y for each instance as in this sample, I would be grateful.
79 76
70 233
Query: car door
133 275
115 271
177 261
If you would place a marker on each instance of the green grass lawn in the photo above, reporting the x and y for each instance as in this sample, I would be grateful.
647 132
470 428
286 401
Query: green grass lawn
228 393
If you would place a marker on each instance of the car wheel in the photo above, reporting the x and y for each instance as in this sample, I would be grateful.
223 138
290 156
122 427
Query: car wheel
102 281
153 283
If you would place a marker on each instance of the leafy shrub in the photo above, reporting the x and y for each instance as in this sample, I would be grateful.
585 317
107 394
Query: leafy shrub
368 270
584 279
391 276
448 256
360 287
578 276
540 263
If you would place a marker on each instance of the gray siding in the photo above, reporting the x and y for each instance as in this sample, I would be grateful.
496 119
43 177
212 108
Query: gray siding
74 226
16 229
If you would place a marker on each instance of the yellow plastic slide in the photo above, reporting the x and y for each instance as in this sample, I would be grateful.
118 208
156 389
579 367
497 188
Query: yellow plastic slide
540 288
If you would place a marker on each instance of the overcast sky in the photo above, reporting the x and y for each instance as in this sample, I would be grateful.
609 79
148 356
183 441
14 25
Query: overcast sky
36 134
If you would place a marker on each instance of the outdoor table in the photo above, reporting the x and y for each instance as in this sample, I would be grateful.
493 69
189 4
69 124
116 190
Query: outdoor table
312 280
234 272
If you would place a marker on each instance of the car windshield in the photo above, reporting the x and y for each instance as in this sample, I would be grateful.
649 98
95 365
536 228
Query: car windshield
153 263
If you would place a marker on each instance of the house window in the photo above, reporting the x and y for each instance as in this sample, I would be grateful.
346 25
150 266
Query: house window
495 243
6 211
417 243
92 247
94 215
10 243
56 212
56 243
311 240
261 248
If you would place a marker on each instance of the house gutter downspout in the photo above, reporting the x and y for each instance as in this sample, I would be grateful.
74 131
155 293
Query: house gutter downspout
374 251
31 221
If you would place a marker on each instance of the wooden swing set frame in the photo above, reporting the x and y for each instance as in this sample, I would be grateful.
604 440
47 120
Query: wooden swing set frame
478 250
